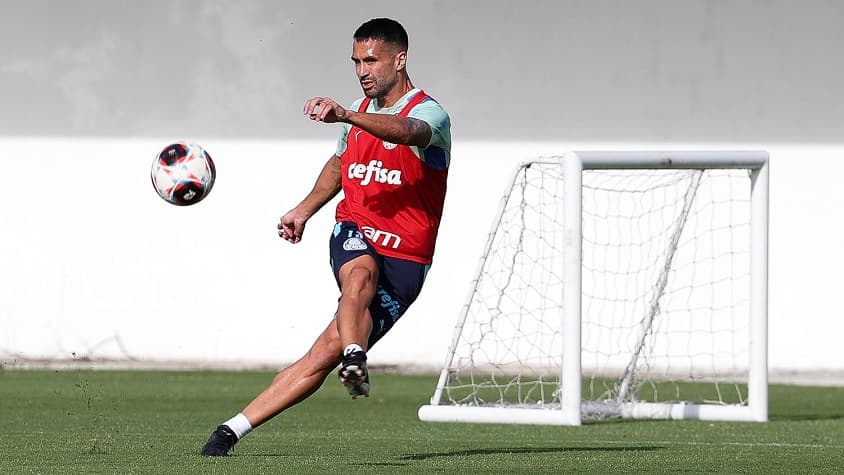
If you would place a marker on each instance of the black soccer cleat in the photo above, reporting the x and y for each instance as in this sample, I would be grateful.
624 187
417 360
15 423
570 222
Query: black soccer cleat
220 443
353 374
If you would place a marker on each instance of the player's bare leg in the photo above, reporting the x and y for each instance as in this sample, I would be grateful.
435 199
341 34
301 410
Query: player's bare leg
292 385
299 380
358 282
349 329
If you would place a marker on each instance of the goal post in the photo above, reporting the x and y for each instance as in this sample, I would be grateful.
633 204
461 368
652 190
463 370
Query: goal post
627 284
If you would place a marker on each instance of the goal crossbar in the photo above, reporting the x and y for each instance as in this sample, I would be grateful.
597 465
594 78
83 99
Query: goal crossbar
683 159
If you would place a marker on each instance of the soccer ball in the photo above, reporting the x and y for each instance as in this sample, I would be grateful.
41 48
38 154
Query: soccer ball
183 174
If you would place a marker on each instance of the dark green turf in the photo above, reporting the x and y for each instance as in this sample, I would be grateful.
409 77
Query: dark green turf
155 422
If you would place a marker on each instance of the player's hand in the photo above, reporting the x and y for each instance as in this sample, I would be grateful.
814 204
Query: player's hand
292 226
324 109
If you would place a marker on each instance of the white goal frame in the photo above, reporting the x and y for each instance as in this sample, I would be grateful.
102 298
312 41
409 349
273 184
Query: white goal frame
572 407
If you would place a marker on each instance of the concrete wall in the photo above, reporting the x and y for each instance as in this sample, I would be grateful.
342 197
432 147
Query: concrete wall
93 263
591 70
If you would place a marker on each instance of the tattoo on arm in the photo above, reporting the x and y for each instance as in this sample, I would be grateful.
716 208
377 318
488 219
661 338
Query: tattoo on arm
420 132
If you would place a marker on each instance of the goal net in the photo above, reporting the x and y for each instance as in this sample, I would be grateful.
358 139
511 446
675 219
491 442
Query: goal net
617 284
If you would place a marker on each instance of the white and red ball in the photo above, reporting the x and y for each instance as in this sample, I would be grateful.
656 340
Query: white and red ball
183 174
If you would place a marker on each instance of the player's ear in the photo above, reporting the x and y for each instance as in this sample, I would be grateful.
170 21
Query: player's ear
401 60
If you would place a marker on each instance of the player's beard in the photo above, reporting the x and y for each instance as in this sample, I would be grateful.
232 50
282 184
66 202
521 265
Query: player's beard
378 90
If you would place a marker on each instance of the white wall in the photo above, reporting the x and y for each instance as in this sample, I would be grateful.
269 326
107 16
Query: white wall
96 265
93 263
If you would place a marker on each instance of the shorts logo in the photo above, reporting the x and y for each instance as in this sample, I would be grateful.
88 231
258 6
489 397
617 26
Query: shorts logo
354 244
388 303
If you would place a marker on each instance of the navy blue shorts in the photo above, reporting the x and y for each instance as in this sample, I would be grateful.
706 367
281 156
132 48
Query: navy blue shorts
399 280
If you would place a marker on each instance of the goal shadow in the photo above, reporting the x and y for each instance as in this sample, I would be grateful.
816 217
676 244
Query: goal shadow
530 450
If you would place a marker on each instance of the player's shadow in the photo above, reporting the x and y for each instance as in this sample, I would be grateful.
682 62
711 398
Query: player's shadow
530 450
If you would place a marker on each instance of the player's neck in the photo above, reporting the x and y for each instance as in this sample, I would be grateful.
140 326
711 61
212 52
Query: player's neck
402 87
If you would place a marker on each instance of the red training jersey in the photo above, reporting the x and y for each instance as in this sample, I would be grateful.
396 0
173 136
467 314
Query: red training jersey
394 197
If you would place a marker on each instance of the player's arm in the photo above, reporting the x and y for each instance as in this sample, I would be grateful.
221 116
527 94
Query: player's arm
292 224
392 128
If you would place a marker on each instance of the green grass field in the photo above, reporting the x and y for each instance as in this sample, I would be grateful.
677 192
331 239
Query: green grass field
155 422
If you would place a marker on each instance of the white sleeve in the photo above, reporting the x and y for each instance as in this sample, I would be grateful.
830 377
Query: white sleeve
432 113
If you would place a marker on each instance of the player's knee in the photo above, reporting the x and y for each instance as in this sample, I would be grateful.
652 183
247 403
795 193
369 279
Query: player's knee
324 359
360 280
325 354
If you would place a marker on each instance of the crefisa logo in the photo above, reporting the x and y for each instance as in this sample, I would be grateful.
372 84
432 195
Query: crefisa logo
373 171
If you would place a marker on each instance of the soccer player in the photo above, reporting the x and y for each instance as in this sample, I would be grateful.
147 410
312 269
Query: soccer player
391 163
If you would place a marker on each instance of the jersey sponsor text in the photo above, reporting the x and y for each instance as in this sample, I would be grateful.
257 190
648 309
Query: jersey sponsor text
382 238
373 171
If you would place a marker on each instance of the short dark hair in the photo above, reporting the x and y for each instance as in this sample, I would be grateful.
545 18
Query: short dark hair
384 29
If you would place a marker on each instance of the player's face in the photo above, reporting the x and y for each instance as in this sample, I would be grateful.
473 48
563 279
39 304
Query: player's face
377 66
